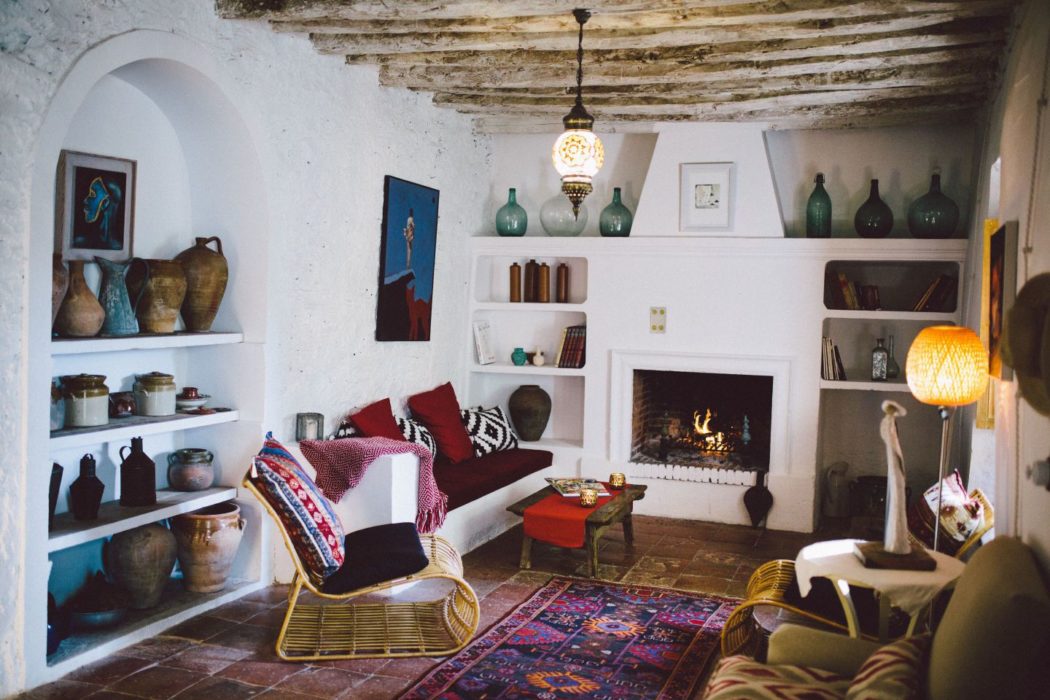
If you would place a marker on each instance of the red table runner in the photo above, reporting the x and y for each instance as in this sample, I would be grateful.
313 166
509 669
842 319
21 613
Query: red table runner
560 520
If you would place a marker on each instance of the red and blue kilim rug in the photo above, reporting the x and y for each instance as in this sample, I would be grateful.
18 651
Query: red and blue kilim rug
587 639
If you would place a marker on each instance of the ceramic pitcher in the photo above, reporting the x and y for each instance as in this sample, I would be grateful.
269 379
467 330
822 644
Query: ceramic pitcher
113 295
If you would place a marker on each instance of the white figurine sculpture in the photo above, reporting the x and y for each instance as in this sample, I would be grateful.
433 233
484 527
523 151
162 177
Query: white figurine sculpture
896 537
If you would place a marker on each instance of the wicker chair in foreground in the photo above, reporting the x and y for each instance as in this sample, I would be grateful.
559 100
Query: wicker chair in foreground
340 626
772 583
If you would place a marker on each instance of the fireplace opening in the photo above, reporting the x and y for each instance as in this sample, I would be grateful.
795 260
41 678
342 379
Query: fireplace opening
700 419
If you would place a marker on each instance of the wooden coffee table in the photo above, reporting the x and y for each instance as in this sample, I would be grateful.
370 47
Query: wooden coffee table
617 510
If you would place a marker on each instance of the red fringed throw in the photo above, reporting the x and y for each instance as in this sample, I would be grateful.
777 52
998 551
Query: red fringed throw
560 520
341 464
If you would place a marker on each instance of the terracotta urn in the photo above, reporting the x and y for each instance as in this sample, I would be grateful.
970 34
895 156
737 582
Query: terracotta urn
207 543
59 285
162 286
191 469
530 408
140 561
80 315
206 277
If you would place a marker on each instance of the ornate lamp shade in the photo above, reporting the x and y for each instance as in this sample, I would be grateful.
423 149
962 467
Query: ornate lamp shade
947 366
578 155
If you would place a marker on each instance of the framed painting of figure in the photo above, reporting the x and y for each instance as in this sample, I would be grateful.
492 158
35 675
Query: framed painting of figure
95 207
406 261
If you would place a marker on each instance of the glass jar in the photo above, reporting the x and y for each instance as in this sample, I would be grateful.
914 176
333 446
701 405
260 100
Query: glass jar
87 400
155 394
879 361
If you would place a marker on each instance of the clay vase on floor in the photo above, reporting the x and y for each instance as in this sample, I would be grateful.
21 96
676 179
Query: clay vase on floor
59 285
206 277
80 315
191 469
160 287
530 408
140 561
207 543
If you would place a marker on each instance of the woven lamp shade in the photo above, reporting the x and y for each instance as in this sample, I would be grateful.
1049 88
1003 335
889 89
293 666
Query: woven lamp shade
947 366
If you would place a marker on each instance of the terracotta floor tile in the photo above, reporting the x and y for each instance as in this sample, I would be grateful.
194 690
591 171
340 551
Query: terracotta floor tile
363 666
323 682
108 670
156 648
380 688
410 668
272 595
247 637
659 565
702 584
157 682
240 610
61 690
107 694
206 658
261 673
281 694
215 688
606 572
200 628
271 618
700 566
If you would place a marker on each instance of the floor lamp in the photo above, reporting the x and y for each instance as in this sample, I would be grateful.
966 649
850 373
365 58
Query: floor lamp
947 367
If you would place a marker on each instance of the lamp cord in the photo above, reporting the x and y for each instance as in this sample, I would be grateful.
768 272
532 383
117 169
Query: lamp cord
581 17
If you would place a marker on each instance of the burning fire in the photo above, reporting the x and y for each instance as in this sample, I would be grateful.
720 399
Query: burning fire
709 440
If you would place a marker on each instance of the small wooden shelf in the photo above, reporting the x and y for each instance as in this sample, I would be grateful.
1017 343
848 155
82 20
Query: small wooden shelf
143 341
944 317
545 370
136 426
889 387
113 517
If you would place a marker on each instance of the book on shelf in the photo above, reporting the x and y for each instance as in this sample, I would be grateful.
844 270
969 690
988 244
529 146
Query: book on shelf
570 487
939 295
831 367
483 342
572 351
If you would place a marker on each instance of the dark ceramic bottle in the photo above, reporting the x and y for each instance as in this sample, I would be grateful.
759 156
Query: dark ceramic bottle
138 476
615 219
933 215
85 494
818 211
511 219
874 218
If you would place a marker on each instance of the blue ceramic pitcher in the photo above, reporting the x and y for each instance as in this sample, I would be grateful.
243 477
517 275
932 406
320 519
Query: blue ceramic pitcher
113 295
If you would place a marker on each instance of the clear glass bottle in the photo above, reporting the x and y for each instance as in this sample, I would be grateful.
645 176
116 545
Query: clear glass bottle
893 370
879 361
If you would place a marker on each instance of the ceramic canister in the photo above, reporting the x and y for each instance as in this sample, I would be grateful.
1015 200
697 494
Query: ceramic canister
155 394
87 400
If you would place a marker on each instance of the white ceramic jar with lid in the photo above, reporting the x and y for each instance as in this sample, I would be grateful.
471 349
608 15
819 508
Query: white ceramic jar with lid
155 394
87 400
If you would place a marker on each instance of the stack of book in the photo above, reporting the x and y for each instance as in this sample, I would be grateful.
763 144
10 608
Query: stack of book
572 351
939 295
831 362
844 293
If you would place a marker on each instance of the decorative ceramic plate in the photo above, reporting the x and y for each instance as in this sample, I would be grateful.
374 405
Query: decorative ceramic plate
185 404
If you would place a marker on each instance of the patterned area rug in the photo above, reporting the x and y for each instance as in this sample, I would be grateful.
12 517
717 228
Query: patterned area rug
579 638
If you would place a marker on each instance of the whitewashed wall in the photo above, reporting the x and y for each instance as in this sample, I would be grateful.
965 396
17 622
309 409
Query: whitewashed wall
325 134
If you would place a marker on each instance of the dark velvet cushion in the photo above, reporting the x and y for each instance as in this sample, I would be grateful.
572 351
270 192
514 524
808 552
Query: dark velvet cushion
824 601
473 478
377 554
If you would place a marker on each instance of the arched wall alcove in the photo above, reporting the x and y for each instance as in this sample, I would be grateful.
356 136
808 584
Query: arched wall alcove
220 192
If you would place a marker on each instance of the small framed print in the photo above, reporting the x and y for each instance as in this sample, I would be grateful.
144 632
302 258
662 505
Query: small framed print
483 343
706 198
95 206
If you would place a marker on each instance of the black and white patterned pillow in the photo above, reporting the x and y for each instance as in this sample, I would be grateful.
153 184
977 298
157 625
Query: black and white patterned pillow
346 429
416 432
489 430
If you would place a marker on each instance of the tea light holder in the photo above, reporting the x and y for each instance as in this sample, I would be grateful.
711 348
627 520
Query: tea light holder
617 480
309 426
588 498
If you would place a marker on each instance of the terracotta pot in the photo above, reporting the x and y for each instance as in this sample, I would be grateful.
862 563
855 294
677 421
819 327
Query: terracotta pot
162 284
206 277
207 543
530 408
191 469
140 561
59 285
80 315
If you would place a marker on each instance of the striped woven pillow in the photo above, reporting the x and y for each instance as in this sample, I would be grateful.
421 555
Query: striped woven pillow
743 678
897 671
312 526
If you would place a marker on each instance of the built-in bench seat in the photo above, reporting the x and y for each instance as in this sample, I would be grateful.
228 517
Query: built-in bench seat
471 479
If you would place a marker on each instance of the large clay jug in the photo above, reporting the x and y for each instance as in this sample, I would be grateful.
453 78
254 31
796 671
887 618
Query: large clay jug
140 561
207 543
80 315
113 295
206 277
59 285
530 408
160 286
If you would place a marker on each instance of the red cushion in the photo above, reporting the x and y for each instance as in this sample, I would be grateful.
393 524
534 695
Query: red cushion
438 409
479 476
377 420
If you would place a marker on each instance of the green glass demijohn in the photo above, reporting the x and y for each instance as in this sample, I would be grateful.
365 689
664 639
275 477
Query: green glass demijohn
933 215
511 219
818 211
615 219
874 218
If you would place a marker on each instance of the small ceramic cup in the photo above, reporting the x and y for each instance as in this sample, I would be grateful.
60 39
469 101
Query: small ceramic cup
588 498
189 392
617 480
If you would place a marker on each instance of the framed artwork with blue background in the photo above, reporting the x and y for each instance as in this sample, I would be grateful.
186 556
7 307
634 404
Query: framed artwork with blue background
406 261
95 207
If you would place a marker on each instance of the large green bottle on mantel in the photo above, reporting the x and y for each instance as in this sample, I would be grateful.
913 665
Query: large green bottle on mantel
511 219
818 211
874 219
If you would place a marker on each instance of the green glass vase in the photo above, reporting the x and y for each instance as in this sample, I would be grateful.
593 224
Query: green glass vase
511 219
818 211
874 218
933 215
615 219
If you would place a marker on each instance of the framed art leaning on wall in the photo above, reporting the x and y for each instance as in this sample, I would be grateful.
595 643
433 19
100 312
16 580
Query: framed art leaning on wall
706 197
95 206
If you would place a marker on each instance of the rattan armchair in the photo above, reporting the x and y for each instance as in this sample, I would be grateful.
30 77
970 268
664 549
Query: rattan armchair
346 627
770 583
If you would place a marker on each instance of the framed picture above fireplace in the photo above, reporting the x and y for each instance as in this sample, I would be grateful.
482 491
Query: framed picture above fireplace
706 197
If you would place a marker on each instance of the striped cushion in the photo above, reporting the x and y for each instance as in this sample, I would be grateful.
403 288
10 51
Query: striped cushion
416 432
743 678
896 670
313 528
489 430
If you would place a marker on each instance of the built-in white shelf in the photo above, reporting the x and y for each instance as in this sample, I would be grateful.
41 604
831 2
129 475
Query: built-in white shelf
145 341
551 444
113 518
137 426
865 386
177 605
545 370
933 316
515 306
